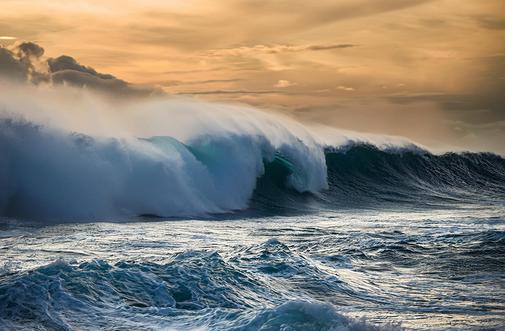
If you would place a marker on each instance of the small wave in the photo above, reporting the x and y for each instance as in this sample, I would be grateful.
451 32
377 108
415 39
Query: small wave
301 315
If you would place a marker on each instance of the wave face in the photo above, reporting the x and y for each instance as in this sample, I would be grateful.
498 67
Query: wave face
365 174
48 173
196 160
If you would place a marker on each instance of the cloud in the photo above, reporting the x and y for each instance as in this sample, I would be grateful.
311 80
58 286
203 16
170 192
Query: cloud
66 70
449 63
345 88
284 83
112 86
273 20
197 82
294 15
480 106
30 49
24 62
11 67
192 71
229 92
492 23
21 63
274 49
66 62
328 47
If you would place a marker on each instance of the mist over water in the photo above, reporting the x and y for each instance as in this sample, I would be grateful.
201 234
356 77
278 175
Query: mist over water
175 214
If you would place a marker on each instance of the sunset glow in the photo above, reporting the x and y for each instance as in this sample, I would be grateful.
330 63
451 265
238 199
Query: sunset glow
430 70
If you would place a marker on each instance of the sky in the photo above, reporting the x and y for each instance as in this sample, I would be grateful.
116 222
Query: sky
429 70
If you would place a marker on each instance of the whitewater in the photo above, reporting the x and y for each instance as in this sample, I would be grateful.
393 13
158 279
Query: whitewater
169 213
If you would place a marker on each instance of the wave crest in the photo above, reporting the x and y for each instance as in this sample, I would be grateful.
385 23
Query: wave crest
51 173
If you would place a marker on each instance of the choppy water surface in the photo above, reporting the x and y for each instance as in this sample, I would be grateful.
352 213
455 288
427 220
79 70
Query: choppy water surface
356 270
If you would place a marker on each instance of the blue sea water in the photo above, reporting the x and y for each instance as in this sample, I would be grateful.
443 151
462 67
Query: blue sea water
246 231
331 271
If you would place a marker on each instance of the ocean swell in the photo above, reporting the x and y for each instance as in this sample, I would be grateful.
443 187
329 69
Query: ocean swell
173 159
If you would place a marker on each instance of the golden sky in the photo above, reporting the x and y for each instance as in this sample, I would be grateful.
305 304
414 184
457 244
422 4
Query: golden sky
431 70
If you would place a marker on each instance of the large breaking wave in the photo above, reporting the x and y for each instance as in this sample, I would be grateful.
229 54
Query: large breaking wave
187 159
48 172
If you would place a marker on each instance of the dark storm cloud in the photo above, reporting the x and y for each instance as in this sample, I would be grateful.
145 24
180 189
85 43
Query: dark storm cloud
19 63
111 86
30 49
24 63
66 62
11 67
66 70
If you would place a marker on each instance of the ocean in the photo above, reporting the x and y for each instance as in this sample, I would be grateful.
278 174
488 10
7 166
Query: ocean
257 226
